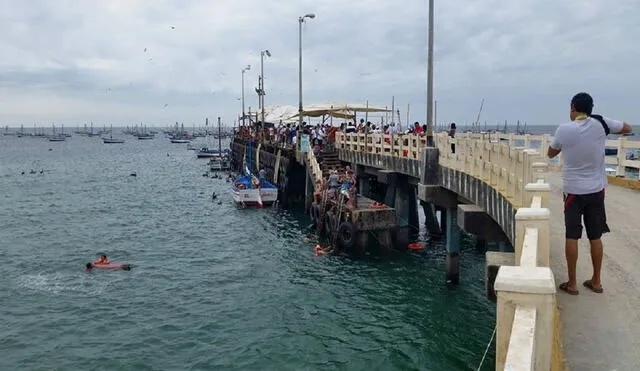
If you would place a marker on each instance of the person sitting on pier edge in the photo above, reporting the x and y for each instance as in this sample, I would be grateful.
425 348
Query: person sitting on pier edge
333 182
452 134
582 143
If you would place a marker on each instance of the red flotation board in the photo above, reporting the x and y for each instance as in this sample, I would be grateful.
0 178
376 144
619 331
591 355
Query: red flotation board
125 267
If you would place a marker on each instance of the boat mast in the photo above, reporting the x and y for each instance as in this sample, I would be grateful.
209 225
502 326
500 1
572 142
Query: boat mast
219 138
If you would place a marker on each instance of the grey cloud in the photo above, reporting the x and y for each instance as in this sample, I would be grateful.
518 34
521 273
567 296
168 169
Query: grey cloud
525 57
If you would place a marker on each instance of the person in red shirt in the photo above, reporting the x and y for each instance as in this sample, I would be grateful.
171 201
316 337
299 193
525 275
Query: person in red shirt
417 129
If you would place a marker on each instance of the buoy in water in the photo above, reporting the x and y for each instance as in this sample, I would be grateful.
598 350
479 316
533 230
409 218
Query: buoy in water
415 246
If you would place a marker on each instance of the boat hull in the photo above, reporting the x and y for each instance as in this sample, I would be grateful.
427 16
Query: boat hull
253 197
220 165
125 267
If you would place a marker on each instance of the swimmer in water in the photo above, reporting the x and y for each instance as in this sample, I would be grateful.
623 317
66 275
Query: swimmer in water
102 260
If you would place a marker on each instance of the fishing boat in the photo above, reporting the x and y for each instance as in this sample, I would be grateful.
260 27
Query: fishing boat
219 163
111 139
179 140
248 190
57 137
205 152
221 159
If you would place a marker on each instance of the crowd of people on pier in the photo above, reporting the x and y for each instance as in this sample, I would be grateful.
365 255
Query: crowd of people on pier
336 183
322 135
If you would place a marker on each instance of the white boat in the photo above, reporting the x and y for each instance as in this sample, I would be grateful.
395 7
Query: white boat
111 139
219 163
248 191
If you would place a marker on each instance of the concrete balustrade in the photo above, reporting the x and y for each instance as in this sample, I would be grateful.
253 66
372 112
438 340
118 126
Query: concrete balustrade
394 145
313 165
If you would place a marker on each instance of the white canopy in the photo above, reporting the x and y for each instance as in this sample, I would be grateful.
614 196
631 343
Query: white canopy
277 113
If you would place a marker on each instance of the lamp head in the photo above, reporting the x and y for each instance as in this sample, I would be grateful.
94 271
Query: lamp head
310 16
268 53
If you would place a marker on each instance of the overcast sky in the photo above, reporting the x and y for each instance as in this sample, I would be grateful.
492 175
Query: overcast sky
71 62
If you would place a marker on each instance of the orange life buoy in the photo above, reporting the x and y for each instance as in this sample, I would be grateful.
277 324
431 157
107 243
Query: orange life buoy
415 246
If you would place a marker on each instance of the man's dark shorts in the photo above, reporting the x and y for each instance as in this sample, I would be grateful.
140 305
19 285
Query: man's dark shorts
591 208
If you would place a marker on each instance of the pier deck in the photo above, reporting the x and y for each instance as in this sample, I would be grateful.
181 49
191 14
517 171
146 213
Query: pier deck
601 331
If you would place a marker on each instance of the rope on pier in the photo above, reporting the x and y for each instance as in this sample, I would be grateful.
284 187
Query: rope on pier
488 346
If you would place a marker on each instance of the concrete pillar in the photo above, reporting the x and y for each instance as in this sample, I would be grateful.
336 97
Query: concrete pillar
431 219
453 246
362 239
384 237
307 193
401 205
406 205
364 186
390 194
414 218
443 219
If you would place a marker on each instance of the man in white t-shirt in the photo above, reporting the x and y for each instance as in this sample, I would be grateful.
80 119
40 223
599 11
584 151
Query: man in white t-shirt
582 143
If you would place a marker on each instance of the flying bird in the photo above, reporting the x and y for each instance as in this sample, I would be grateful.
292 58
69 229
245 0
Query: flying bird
145 50
173 27
165 105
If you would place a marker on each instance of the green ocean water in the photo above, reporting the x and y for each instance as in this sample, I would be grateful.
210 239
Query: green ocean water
213 287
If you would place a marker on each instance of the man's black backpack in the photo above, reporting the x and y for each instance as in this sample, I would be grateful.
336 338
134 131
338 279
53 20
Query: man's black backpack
604 124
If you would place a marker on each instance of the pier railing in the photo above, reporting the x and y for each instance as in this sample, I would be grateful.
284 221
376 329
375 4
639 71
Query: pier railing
312 165
526 291
410 145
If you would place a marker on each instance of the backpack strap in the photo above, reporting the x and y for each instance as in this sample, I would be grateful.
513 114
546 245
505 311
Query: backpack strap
604 124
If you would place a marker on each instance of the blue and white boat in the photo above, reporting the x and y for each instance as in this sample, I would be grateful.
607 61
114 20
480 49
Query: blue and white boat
248 190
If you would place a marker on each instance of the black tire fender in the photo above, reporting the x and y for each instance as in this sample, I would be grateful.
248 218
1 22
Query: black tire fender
347 235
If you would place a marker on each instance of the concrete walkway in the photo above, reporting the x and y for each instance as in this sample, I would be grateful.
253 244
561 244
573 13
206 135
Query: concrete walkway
601 331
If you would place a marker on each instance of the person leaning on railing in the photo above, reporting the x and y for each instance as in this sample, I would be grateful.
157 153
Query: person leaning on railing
582 143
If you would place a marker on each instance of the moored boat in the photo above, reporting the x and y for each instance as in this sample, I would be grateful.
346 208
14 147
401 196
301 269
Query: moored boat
248 190
218 163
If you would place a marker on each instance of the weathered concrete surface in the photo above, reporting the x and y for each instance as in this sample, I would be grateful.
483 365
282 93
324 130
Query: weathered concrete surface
405 166
479 193
601 331
475 220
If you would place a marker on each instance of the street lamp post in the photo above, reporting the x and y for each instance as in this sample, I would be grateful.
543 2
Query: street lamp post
262 91
430 78
243 112
300 22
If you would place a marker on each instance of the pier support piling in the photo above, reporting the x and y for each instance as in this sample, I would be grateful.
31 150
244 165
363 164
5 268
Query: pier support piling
453 246
431 219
